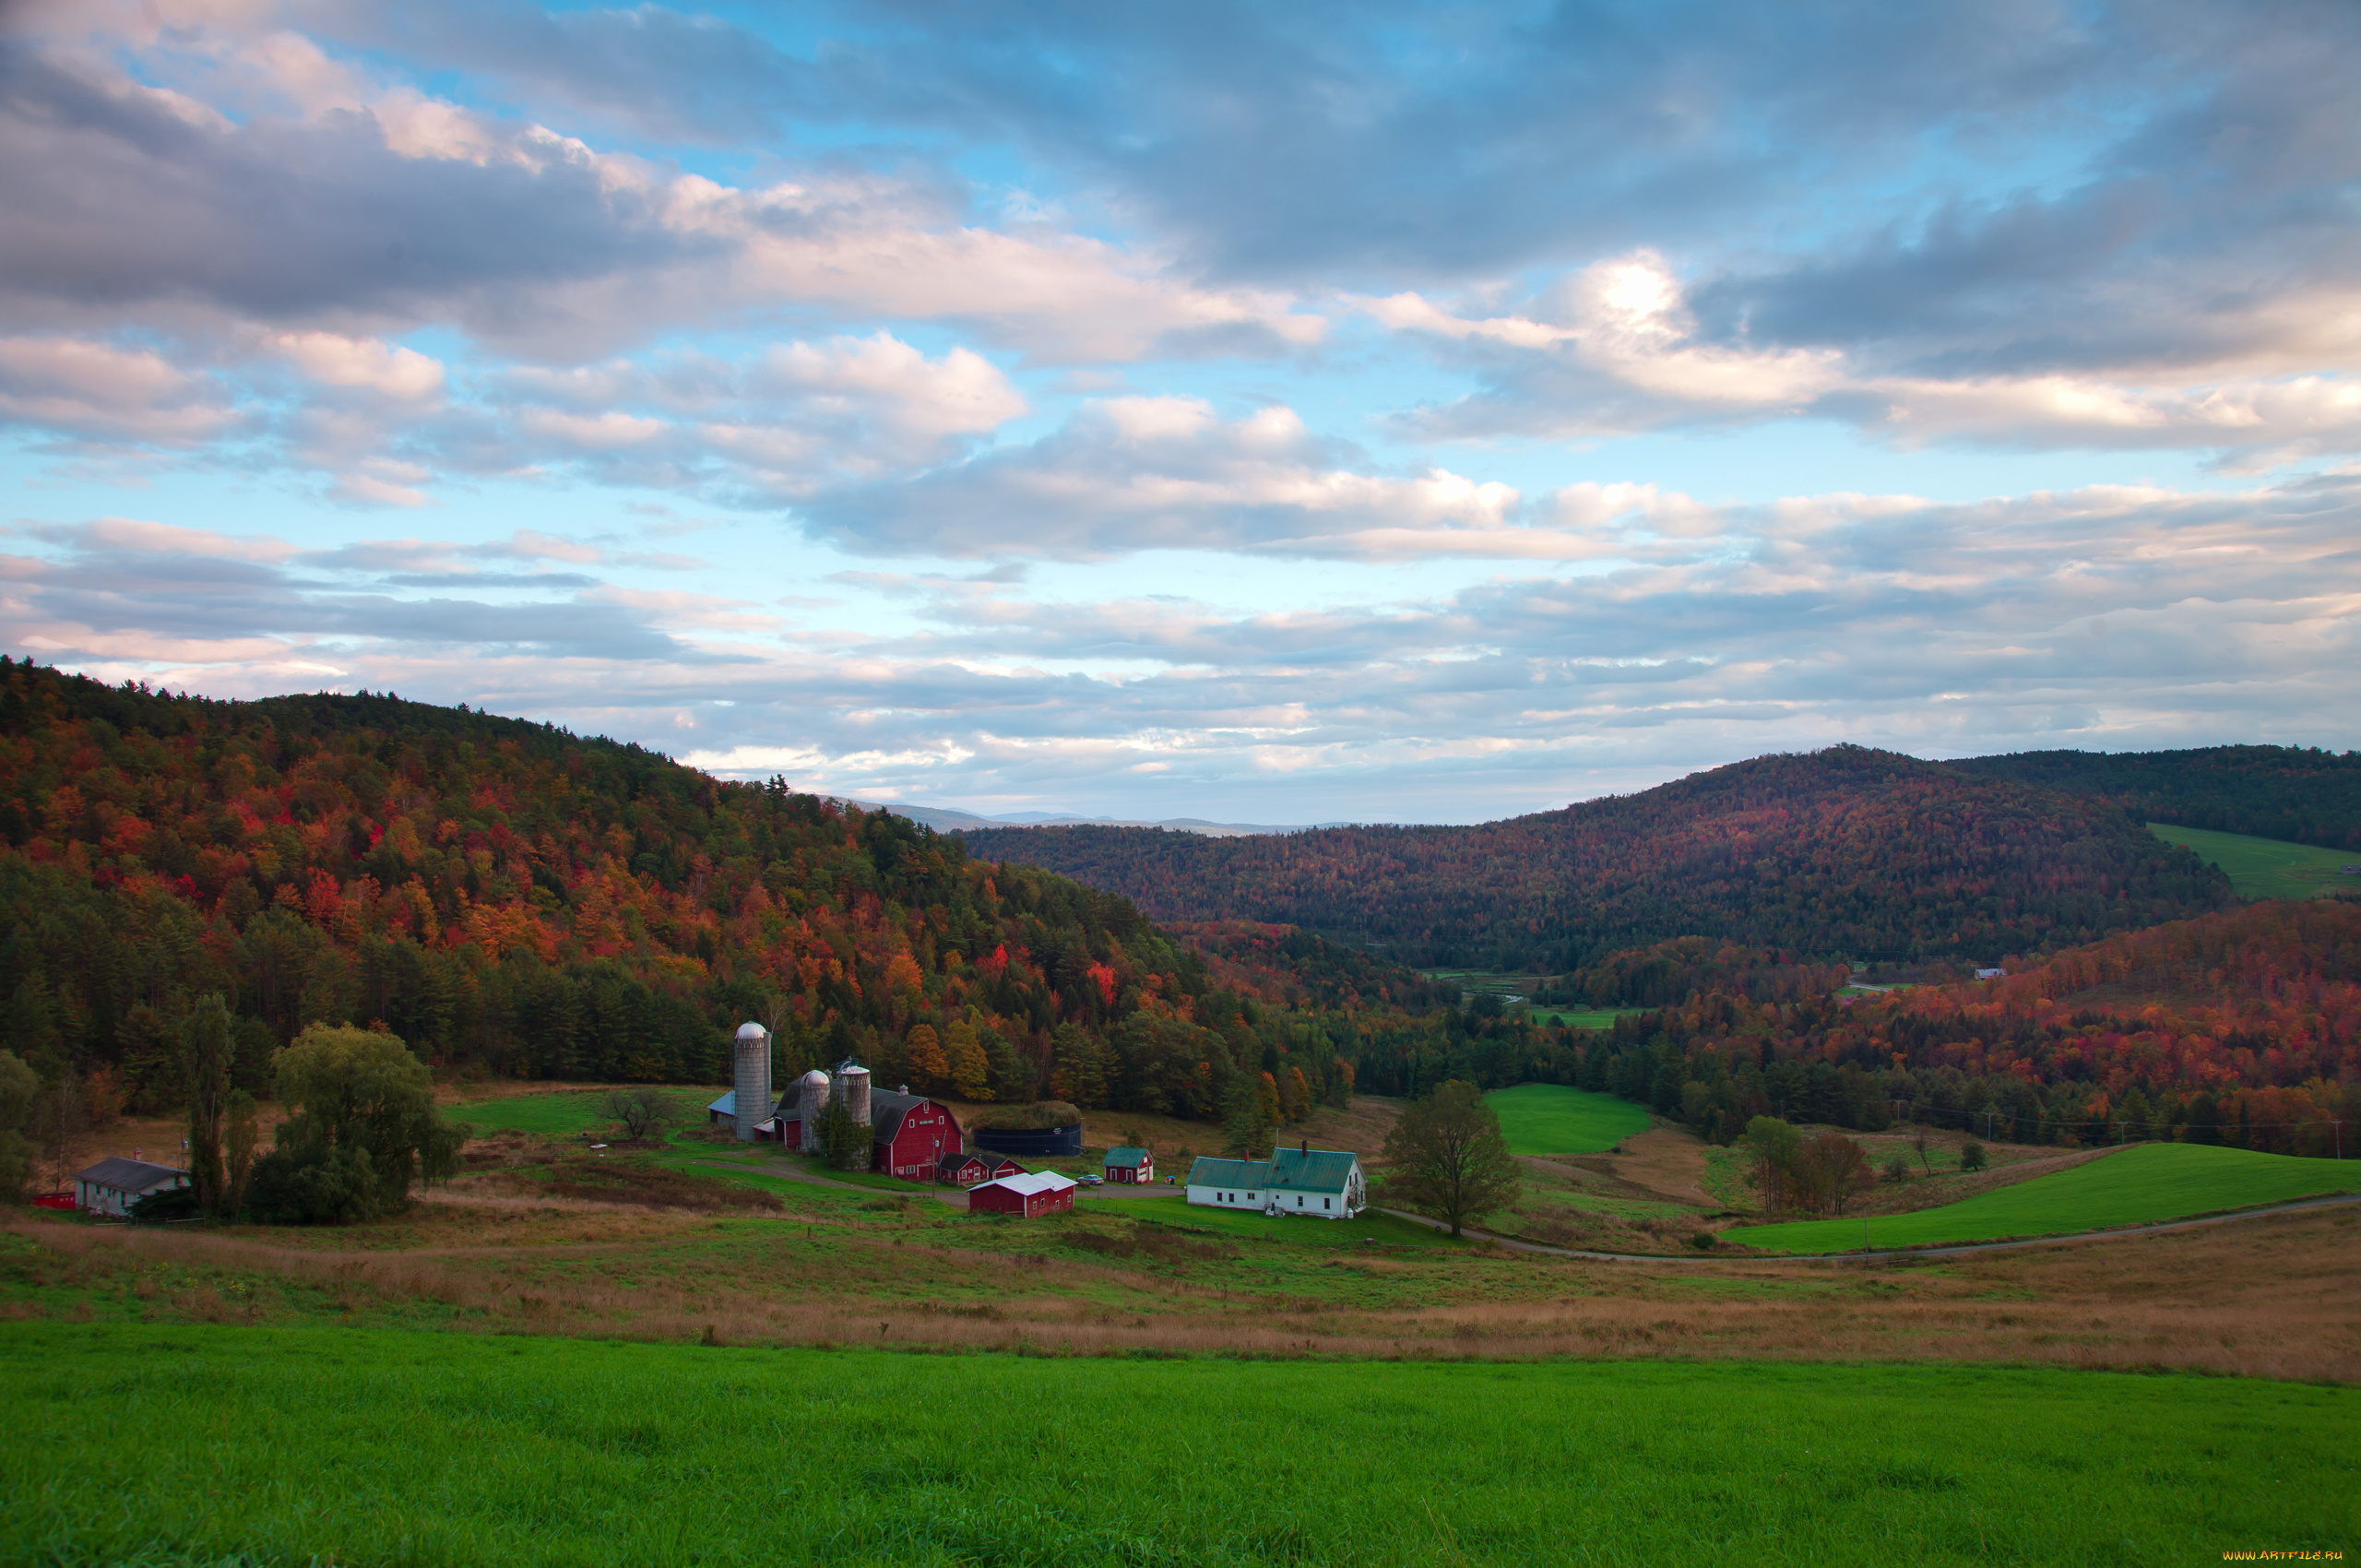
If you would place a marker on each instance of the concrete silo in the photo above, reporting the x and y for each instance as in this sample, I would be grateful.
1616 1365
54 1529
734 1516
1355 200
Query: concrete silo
852 1084
753 1082
810 1104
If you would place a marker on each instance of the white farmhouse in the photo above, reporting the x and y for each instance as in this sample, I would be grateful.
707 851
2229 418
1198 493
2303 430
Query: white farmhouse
111 1186
1324 1183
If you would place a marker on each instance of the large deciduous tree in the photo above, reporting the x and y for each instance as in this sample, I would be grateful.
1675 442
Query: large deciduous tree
366 1127
1773 1143
1446 1156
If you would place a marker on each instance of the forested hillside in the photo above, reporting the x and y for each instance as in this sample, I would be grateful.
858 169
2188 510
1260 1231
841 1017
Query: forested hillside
2242 1026
509 898
2305 797
1846 853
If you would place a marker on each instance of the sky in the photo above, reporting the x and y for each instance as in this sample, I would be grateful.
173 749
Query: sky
1359 411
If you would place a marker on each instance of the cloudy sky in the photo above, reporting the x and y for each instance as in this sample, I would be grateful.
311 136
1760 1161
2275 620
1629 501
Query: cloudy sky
1271 413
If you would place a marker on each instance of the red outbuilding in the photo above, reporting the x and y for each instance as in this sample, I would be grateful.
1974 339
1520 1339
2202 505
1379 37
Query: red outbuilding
966 1170
1028 1197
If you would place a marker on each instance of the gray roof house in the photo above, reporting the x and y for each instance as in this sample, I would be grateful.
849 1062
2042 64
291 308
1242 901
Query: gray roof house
111 1186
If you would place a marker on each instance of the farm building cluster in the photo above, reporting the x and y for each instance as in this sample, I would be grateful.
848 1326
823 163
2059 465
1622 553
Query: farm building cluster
919 1139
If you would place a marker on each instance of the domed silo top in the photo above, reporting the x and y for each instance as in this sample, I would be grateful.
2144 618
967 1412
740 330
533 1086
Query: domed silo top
752 1031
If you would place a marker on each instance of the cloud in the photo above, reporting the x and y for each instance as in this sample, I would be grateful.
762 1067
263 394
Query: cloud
2107 616
1140 473
359 209
1616 348
79 387
367 363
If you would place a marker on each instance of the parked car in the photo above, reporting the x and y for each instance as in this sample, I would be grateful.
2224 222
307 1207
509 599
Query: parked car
1090 1180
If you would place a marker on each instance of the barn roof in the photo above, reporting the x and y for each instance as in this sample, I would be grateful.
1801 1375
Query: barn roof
1127 1158
128 1175
1037 1183
984 1158
726 1106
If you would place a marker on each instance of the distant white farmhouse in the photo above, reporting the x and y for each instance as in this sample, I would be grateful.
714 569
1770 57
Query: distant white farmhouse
111 1186
1326 1183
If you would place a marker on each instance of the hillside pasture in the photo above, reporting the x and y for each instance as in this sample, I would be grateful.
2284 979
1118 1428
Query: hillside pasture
1554 1119
2267 867
2140 1186
456 1448
569 1112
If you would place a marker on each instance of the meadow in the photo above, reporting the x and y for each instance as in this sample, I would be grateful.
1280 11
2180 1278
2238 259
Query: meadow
2142 1184
1553 1119
2267 868
1581 1017
385 1447
563 1114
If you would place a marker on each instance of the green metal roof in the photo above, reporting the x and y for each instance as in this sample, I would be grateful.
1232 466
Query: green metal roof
1289 1171
1127 1158
1313 1170
1249 1173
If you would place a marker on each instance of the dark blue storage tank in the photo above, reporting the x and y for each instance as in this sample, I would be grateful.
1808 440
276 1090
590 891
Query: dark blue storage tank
1020 1141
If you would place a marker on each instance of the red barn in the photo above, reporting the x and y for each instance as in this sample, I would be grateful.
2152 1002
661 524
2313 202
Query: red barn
908 1133
966 1170
912 1133
1028 1197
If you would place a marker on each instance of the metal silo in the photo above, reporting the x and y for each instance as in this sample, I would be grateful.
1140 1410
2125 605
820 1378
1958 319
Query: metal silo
809 1105
754 1083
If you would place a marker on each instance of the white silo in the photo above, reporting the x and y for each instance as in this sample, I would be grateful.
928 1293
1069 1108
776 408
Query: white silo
754 1083
808 1106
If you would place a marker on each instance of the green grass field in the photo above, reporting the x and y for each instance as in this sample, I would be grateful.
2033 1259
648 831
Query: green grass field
2143 1184
151 1445
1553 1119
1583 1017
2267 868
568 1112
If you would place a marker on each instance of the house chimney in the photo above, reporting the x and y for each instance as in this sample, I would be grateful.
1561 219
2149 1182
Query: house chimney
1306 1145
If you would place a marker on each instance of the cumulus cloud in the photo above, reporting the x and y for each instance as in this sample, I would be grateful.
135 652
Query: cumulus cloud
79 387
1617 347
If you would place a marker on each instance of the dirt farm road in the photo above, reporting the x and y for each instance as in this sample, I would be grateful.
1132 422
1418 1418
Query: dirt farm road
1943 1252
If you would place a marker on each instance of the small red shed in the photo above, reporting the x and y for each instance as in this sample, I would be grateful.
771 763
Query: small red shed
1127 1164
1028 1197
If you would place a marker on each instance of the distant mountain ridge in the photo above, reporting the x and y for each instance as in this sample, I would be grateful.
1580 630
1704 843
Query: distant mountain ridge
2301 795
1846 853
950 819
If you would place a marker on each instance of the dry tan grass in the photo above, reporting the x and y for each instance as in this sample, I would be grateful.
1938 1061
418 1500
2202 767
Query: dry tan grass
2267 1297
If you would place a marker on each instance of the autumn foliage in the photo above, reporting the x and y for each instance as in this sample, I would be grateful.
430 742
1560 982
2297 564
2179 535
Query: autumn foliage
507 896
1843 854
